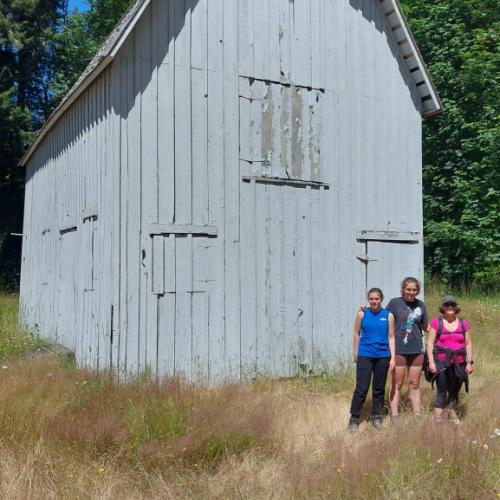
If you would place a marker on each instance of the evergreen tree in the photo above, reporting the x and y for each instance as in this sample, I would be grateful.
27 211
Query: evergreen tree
459 40
26 68
80 37
43 50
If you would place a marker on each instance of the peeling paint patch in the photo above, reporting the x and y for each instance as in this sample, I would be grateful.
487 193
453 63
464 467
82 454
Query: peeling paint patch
268 131
297 151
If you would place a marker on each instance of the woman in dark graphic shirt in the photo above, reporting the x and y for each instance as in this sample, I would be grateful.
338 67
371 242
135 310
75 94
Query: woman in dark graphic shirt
411 319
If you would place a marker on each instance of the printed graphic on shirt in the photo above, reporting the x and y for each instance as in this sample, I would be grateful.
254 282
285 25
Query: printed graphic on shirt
409 318
414 316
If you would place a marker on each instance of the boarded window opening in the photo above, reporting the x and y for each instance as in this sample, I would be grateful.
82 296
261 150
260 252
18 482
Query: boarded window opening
280 131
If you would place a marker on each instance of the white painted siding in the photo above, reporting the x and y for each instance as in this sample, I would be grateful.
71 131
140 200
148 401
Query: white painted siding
196 210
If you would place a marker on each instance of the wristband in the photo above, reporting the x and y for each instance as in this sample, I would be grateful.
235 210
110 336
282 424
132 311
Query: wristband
470 362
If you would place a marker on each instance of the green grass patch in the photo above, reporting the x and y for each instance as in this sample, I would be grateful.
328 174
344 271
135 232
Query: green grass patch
14 341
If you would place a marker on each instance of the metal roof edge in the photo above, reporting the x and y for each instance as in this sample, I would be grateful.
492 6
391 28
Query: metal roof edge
99 62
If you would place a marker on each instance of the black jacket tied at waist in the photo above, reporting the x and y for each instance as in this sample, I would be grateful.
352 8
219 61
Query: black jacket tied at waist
452 355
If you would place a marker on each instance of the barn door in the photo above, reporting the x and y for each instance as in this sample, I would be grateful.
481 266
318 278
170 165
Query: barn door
183 282
389 257
67 297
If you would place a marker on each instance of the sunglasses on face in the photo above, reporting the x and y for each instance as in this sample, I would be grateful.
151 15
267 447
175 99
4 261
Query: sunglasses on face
450 304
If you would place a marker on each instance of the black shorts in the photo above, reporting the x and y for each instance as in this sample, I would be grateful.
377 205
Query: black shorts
416 360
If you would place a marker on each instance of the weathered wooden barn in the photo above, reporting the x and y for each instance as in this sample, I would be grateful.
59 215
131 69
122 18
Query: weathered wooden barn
224 182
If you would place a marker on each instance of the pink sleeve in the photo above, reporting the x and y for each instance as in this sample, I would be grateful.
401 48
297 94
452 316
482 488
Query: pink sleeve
435 323
467 325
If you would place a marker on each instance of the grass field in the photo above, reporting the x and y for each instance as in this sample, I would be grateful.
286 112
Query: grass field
68 433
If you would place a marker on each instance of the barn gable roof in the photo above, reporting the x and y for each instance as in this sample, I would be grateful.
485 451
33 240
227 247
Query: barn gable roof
431 104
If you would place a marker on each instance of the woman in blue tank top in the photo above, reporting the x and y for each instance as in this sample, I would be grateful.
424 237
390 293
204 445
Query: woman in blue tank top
374 354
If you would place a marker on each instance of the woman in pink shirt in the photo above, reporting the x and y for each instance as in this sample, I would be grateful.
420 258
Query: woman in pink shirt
449 347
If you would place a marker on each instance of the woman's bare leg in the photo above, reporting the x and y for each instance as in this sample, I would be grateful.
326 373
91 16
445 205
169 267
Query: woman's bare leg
414 373
397 379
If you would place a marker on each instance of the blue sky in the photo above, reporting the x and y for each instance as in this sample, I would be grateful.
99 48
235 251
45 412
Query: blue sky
81 4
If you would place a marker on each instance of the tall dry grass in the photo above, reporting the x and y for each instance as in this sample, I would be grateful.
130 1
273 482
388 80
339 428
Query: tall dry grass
67 433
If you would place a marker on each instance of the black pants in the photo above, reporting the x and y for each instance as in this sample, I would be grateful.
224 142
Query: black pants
448 383
364 369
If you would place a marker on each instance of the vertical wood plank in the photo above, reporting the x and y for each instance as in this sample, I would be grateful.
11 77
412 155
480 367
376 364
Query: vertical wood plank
276 340
285 42
304 299
286 132
273 49
232 191
261 276
318 61
199 33
301 43
114 203
215 154
166 114
261 40
320 361
317 116
134 216
245 37
331 47
256 105
183 315
147 85
158 269
199 144
245 126
200 309
290 257
183 160
215 35
275 93
306 131
267 131
200 353
170 263
200 263
166 333
125 101
248 280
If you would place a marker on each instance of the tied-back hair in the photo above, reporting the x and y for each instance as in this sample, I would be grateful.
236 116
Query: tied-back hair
375 290
407 281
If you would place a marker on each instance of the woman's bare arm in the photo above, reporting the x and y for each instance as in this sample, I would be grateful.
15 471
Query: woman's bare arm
356 334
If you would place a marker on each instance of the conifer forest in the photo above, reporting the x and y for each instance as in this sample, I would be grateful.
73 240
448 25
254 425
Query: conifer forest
44 46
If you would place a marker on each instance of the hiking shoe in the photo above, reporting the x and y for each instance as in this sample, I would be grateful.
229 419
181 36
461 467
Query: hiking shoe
353 426
377 422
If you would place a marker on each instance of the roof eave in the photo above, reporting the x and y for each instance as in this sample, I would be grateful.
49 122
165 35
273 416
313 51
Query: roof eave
431 103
